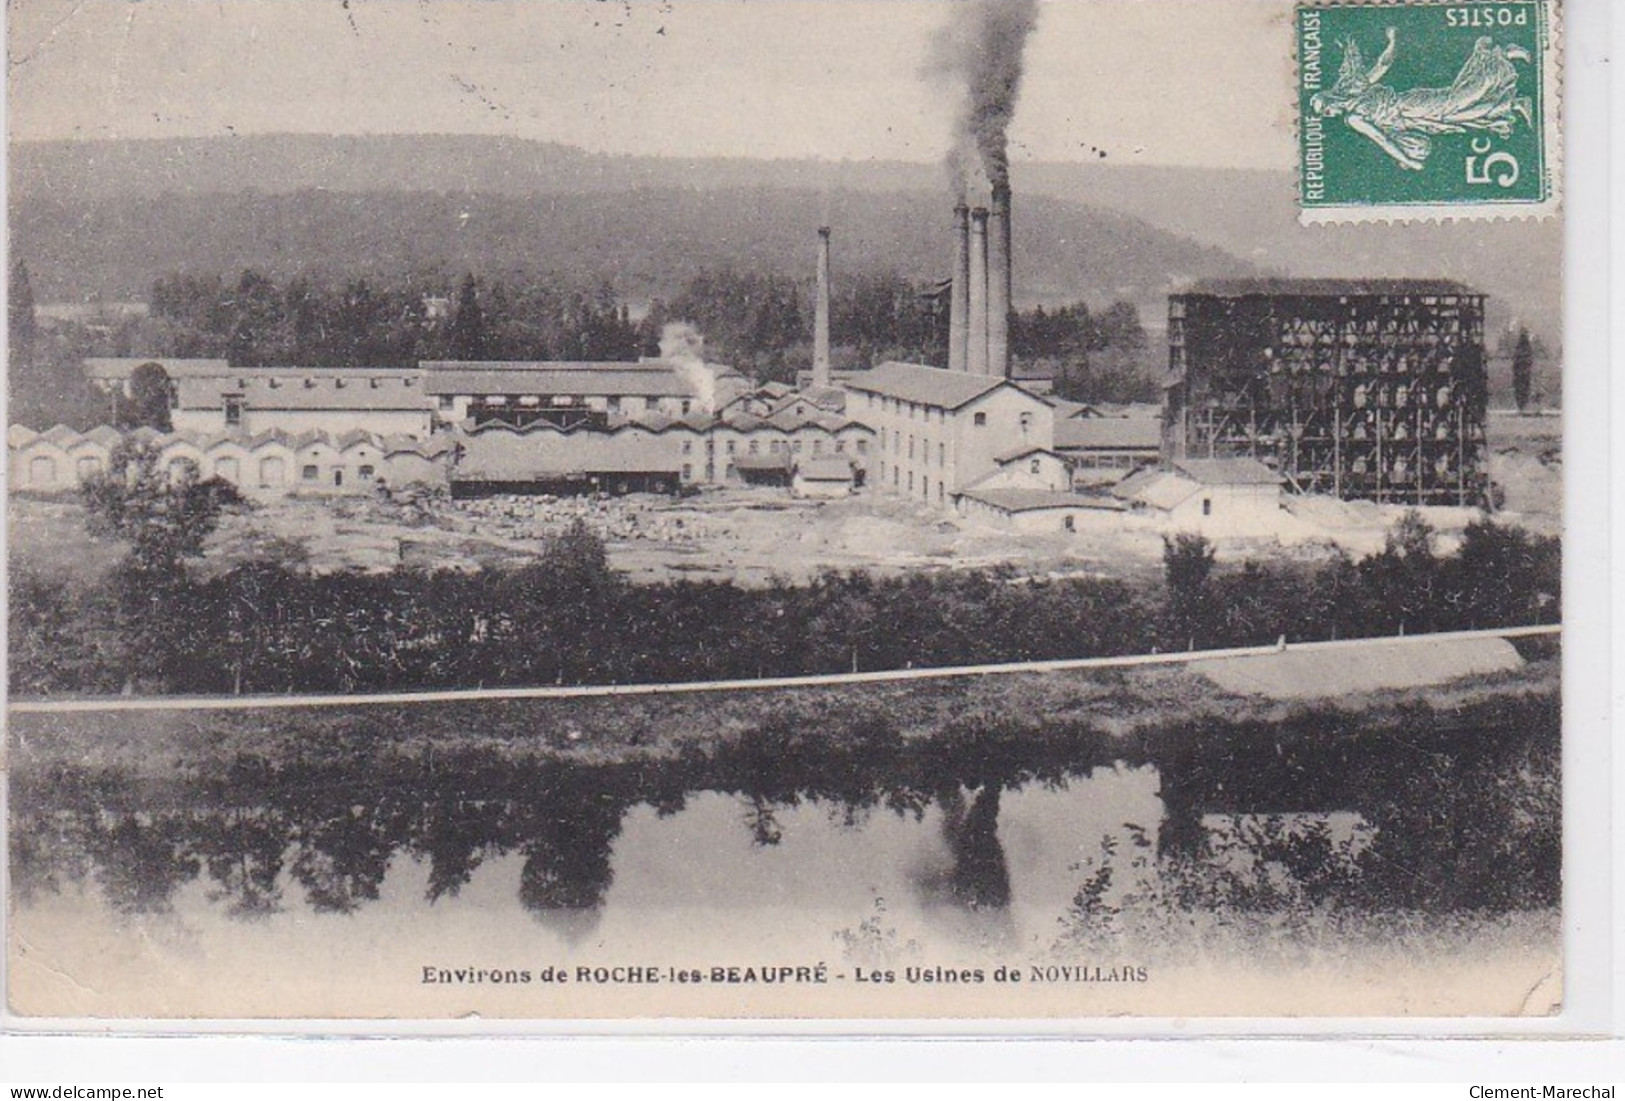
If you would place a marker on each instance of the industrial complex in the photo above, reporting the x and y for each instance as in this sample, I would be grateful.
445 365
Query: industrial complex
1356 389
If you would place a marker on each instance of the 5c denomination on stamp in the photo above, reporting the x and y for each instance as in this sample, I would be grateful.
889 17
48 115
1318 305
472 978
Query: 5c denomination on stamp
1418 110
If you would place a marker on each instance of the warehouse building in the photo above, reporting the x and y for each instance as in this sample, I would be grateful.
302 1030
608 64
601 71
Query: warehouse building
1371 389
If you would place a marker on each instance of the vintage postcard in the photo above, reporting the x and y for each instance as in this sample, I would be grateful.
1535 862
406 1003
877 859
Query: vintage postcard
785 511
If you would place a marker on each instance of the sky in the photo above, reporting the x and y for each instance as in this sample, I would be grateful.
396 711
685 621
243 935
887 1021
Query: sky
826 79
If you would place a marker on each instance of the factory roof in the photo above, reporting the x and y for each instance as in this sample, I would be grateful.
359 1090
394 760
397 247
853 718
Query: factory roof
1228 472
1033 500
618 379
335 390
107 436
1108 434
824 470
1018 453
928 385
1326 288
777 461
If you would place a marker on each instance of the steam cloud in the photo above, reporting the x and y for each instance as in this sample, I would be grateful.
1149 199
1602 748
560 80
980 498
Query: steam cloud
980 51
681 340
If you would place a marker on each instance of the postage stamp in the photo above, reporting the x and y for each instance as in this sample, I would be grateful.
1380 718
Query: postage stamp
1416 110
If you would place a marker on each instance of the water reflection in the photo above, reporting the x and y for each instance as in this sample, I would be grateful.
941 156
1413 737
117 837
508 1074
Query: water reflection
1261 819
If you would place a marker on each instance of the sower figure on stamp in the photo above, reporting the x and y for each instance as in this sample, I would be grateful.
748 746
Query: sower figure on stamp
1483 97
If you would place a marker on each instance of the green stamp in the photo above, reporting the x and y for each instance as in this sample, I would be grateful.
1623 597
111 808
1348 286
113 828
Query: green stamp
1413 109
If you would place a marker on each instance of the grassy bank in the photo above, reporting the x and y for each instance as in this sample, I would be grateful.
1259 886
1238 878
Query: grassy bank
1117 714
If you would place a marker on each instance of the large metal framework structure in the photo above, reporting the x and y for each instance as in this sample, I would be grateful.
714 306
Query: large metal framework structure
1371 389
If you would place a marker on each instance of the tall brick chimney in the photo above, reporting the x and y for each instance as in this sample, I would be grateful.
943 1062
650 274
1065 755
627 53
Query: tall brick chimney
999 282
820 368
976 301
958 306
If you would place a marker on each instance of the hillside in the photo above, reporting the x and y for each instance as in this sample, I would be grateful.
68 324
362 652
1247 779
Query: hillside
645 242
1247 213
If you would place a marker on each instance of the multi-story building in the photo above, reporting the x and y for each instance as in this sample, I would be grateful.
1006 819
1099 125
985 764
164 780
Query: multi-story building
938 432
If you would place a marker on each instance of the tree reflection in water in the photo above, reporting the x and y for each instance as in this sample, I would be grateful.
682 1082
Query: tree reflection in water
1462 817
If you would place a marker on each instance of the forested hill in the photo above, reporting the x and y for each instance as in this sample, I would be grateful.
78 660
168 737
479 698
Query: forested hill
1250 214
647 242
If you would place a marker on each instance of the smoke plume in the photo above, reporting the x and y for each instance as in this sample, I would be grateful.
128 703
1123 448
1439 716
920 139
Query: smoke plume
680 340
980 53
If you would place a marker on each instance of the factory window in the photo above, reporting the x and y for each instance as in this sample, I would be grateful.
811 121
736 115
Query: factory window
979 420
310 473
447 402
818 447
911 481
911 447
272 471
893 476
1207 506
366 472
688 472
42 471
940 493
1026 422
688 447
234 410
1037 466
731 447
796 447
1070 523
863 447
338 477
687 405
840 447
753 448
614 401
773 447
942 455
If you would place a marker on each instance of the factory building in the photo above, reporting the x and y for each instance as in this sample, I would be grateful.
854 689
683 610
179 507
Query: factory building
565 394
268 464
937 431
1369 389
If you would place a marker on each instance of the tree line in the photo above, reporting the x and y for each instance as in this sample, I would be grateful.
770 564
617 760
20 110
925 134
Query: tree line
759 323
156 626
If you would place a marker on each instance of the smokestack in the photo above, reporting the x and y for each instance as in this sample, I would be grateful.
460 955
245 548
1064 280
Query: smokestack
976 302
821 313
958 307
998 282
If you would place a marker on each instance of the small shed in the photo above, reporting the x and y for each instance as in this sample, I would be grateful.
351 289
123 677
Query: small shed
825 478
1217 496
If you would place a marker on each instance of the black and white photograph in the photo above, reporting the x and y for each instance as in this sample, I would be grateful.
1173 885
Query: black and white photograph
804 510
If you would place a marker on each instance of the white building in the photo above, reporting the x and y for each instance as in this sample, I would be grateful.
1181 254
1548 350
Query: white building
938 432
1212 496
